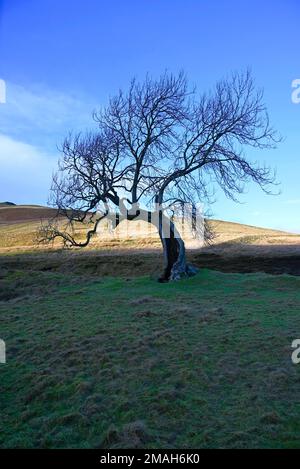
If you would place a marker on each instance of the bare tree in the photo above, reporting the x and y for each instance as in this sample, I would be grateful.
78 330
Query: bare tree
162 143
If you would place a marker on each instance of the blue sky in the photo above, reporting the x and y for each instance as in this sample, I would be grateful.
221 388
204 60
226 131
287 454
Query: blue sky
62 59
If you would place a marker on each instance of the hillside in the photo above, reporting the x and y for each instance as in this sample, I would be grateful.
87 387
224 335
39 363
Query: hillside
7 204
19 223
10 213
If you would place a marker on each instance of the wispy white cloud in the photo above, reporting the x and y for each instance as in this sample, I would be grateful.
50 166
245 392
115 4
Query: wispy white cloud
33 121
41 115
25 171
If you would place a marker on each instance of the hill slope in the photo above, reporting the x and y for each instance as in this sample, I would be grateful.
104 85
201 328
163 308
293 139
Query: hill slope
22 213
19 223
7 204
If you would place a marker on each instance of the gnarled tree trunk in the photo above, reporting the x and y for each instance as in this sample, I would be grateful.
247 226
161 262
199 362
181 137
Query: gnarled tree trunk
176 266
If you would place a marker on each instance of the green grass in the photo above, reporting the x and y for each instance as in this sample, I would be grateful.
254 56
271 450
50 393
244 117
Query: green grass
116 362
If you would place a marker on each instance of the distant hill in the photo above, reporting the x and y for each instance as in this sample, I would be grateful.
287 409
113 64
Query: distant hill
18 225
7 204
12 213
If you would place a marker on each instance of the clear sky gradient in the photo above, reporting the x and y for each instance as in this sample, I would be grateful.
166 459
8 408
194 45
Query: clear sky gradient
61 59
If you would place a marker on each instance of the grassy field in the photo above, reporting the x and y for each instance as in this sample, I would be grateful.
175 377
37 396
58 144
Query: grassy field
107 362
100 355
